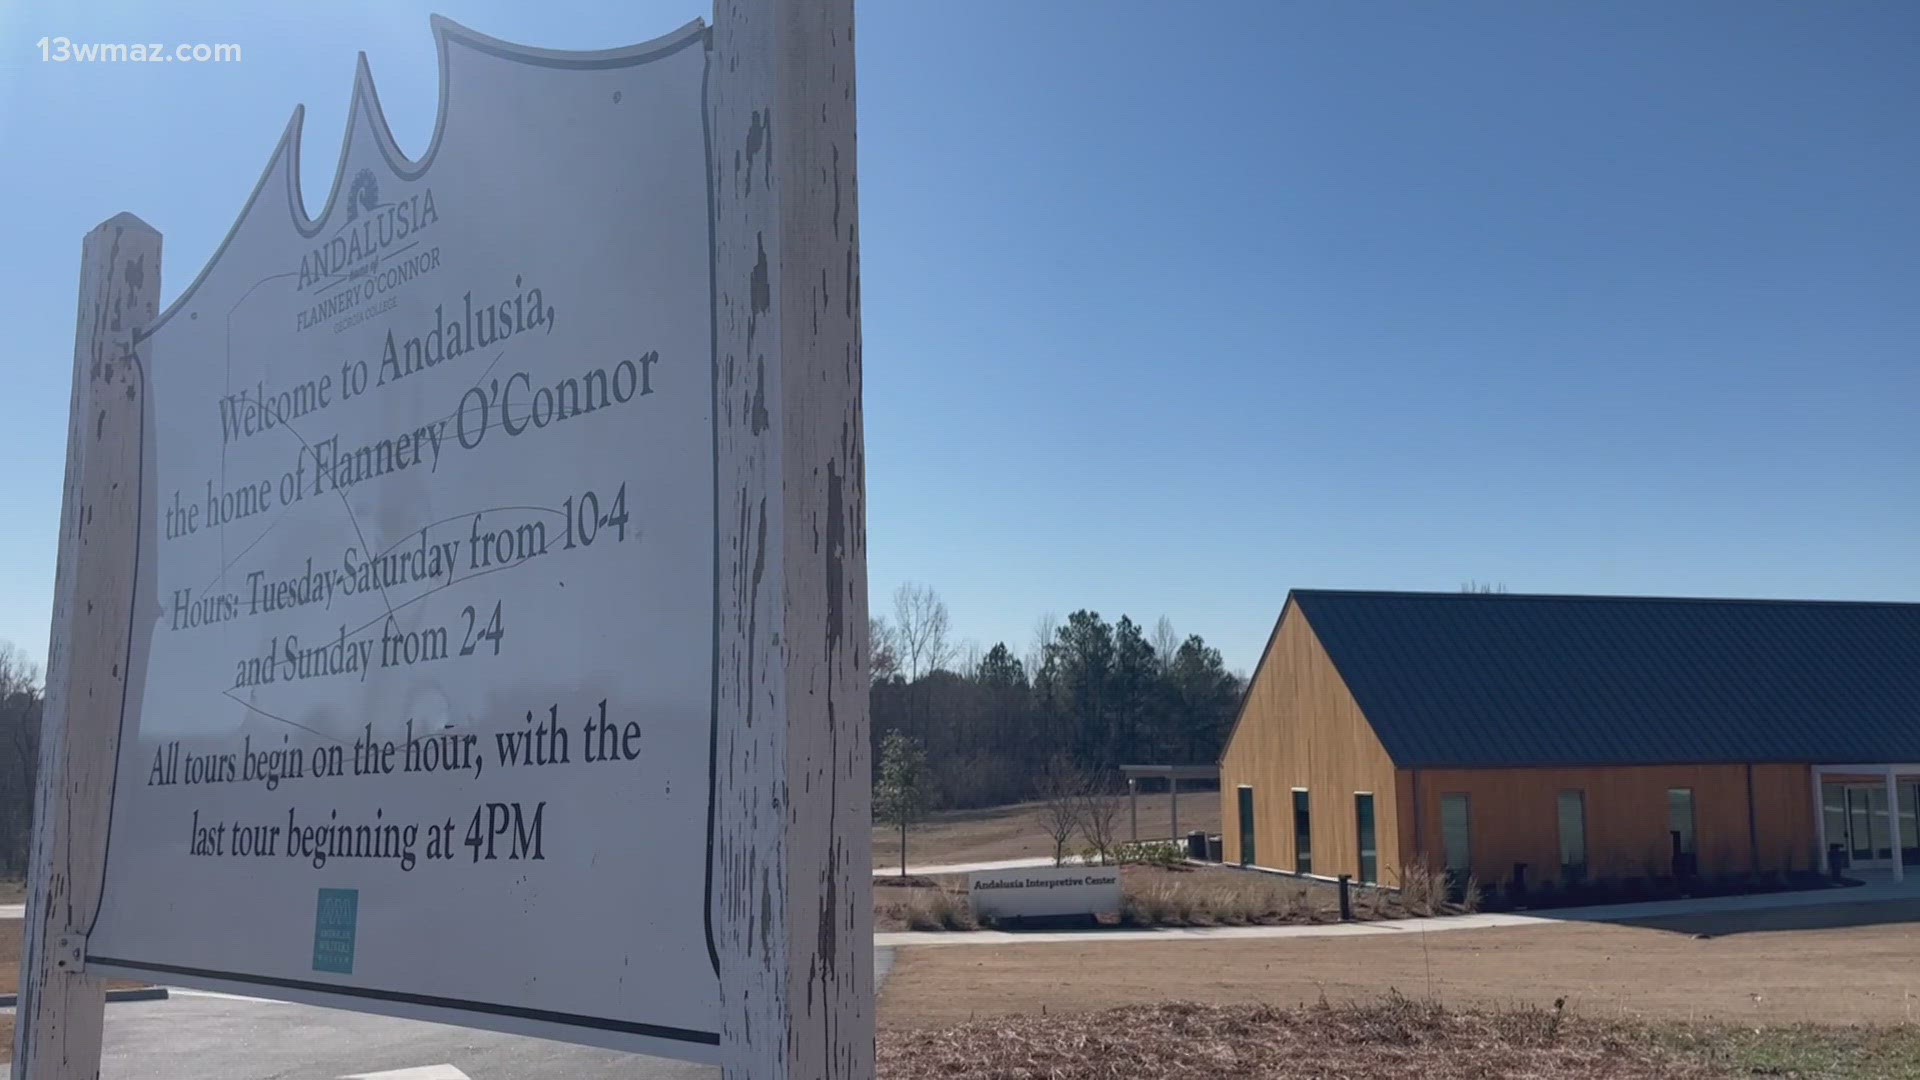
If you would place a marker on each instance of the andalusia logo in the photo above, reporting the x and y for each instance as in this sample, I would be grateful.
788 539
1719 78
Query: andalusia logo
365 193
370 230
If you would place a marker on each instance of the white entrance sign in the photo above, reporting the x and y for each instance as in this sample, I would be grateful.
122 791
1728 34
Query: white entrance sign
424 633
1062 890
448 683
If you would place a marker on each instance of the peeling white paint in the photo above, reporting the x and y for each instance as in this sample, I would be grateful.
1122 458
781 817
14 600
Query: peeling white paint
793 903
58 1022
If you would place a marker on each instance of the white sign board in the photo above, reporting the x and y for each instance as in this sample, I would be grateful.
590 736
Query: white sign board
1043 891
421 715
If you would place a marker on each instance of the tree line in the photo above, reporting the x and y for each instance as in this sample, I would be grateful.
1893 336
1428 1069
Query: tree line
20 708
1096 693
991 724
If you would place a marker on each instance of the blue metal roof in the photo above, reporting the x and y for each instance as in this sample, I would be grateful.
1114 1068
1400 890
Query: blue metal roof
1478 680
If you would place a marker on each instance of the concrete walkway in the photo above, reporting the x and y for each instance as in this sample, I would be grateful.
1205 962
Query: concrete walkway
1871 893
968 868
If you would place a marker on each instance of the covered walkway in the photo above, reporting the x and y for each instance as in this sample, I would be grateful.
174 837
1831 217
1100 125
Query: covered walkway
1172 774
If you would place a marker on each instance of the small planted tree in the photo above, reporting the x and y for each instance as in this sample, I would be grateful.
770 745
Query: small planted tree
1100 802
900 795
1061 787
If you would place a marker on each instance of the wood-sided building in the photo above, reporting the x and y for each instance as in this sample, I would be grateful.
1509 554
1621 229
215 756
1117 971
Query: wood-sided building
1582 736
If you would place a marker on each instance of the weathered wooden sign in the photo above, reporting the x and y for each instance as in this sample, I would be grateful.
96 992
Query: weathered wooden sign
462 592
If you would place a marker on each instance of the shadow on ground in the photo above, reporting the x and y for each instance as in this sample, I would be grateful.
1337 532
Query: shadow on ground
1774 920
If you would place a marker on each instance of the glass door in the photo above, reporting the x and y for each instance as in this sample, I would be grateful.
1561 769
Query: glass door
1909 832
1856 815
1867 823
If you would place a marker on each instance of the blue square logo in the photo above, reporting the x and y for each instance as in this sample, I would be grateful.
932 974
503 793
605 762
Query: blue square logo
334 920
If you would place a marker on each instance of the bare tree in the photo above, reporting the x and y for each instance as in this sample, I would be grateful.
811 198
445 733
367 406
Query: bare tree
17 673
1045 629
920 638
1100 803
20 710
1061 787
883 663
920 627
970 655
1165 641
1472 586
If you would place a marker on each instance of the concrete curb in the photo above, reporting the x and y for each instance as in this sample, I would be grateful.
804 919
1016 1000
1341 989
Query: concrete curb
141 993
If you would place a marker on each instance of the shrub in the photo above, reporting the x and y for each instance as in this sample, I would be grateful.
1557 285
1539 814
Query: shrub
1146 907
1421 889
938 909
1234 909
1162 853
1161 904
1470 896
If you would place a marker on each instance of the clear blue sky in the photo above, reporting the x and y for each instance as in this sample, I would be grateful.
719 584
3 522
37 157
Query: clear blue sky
1172 307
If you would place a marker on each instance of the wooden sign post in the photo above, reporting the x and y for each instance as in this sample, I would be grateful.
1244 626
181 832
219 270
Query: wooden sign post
785 789
798 995
57 1025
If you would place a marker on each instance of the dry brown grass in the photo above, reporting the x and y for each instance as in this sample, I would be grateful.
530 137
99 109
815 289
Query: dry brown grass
1162 896
13 891
1838 965
1222 896
1392 1038
1016 832
922 903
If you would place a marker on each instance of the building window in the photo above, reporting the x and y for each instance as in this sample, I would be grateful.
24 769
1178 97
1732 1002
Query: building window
1369 856
1680 819
1457 835
1680 829
1302 833
1573 835
1246 826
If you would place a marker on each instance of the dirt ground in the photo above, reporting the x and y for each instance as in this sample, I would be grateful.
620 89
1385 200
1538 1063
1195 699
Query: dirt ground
1015 832
1841 964
1393 1037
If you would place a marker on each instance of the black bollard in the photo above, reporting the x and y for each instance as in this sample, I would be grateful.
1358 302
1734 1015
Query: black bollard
1346 897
